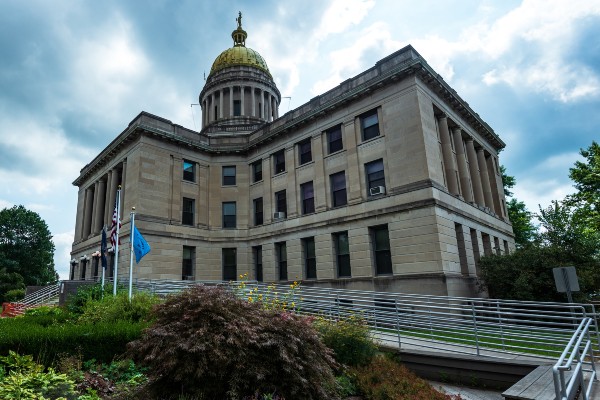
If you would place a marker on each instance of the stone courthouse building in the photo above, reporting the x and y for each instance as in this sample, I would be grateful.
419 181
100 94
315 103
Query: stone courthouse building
389 182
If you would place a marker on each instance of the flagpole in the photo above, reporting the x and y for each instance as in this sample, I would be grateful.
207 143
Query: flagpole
132 225
116 274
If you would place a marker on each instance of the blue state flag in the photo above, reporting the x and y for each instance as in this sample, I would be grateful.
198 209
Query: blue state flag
140 246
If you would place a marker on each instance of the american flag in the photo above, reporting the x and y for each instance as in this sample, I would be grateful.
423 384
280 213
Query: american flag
113 229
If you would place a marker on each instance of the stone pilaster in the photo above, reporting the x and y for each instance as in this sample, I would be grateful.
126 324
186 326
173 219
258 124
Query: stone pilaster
475 175
485 180
449 167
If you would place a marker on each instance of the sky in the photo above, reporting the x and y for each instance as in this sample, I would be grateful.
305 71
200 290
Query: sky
73 74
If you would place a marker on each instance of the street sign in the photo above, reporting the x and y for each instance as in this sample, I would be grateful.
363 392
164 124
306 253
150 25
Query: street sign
566 280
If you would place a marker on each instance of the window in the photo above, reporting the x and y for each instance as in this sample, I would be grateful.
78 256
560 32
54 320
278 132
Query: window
189 171
279 161
229 214
258 265
95 264
187 217
381 248
187 264
83 269
229 175
304 151
338 189
308 198
280 202
375 177
237 108
229 265
257 171
258 211
281 257
310 260
342 252
334 139
216 113
369 124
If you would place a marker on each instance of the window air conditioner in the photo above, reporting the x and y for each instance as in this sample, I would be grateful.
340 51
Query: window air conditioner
377 190
279 215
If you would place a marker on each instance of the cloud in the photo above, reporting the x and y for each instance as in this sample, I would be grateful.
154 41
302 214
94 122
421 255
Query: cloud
62 254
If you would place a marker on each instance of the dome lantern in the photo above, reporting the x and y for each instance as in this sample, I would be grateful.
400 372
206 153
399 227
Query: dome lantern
239 35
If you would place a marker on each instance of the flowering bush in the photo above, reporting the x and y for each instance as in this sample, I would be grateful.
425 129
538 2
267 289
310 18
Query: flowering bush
349 339
207 343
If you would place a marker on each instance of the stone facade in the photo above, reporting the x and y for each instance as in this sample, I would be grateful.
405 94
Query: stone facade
391 165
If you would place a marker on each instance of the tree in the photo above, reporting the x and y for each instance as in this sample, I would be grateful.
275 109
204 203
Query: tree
26 246
586 176
521 220
518 214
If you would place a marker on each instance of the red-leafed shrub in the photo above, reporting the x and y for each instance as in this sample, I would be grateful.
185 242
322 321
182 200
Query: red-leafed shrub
385 379
206 343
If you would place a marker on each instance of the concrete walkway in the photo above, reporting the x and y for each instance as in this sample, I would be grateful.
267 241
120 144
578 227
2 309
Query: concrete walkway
467 393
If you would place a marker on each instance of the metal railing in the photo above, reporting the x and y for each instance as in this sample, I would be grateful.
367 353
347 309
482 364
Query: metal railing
577 360
496 328
39 297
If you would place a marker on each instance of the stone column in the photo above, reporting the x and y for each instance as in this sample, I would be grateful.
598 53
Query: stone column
268 107
231 101
485 180
123 184
275 108
463 170
242 101
212 107
95 208
449 167
107 210
87 218
475 176
253 101
221 103
114 182
99 206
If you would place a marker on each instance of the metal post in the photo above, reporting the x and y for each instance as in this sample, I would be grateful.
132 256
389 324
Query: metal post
117 242
132 228
475 326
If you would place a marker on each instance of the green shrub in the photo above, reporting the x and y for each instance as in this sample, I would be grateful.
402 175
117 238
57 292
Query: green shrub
348 338
119 308
27 380
206 343
46 315
385 379
102 341
14 295
76 302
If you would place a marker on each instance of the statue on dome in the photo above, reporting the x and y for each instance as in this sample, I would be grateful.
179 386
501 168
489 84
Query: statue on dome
239 20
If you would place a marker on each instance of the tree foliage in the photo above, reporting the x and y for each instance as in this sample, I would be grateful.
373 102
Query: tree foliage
518 214
207 343
26 246
569 236
586 176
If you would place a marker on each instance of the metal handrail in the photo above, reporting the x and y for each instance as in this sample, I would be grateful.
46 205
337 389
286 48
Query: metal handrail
579 352
40 296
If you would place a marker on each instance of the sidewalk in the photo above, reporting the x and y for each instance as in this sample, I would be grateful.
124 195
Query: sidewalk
467 393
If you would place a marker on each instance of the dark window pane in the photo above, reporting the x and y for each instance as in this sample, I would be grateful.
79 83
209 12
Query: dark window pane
338 189
257 171
187 216
237 108
280 202
281 254
310 261
308 198
370 125
381 248
229 265
258 211
334 139
305 152
188 171
375 174
258 266
343 261
342 250
228 175
187 269
229 215
279 161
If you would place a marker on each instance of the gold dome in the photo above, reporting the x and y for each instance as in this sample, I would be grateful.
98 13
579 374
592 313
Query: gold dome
239 54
